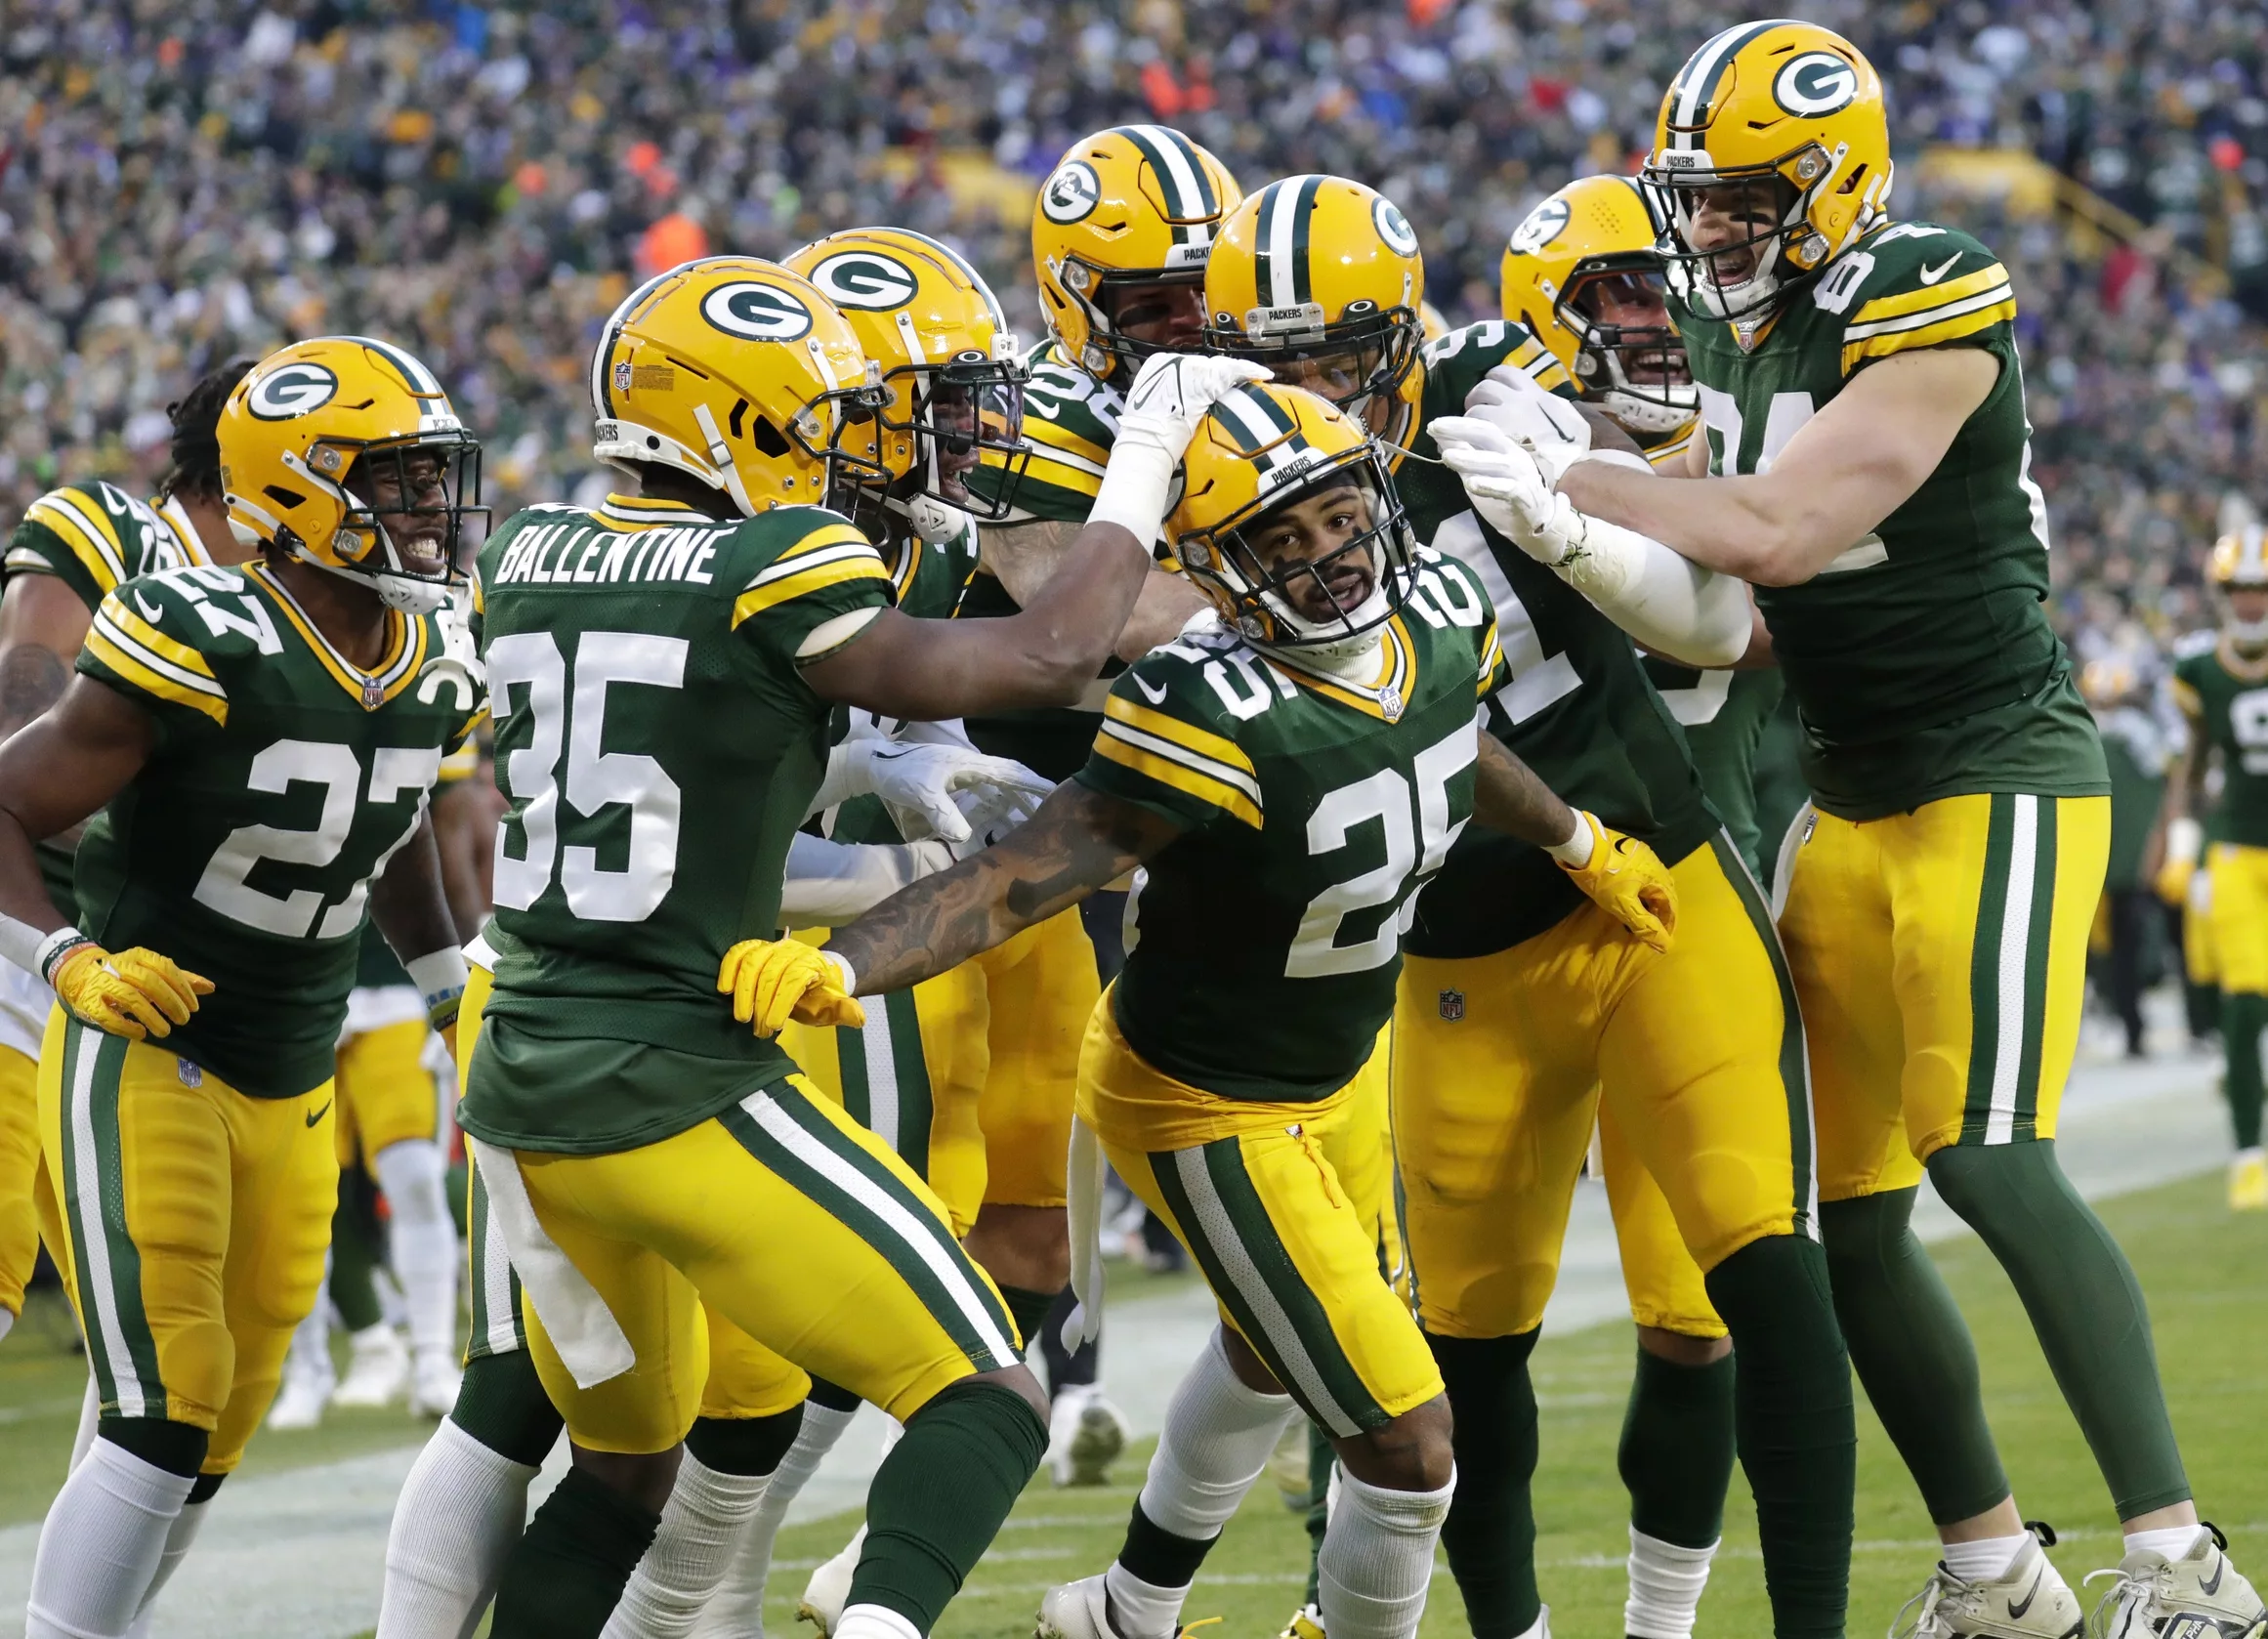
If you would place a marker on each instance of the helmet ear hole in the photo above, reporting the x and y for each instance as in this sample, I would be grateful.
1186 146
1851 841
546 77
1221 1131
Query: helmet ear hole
286 498
768 438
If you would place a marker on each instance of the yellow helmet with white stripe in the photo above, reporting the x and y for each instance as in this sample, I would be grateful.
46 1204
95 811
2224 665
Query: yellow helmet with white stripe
1319 585
1321 279
1584 256
1136 205
1789 115
2240 558
344 453
738 372
952 366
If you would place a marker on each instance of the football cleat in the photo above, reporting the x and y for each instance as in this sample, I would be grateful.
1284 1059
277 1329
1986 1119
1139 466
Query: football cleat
433 1381
1081 1610
829 1587
2030 1600
1306 1621
2248 1182
378 1374
299 1403
1085 1435
2198 1596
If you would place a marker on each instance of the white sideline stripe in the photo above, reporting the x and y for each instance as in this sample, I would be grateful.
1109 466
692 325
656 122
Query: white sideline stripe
921 1238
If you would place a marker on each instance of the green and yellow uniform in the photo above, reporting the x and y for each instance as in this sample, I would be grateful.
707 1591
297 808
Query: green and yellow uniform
2224 695
1962 819
92 538
193 1178
659 747
2200 970
1529 1015
1219 1068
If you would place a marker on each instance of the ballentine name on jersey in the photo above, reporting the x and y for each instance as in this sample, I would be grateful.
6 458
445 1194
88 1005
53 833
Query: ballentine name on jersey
579 553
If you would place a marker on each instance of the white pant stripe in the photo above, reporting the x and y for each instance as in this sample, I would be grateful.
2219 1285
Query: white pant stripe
882 1114
94 1244
2008 1026
495 1280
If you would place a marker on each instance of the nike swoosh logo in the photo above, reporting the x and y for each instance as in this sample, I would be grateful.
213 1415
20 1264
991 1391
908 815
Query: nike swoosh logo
320 1113
1156 696
2208 1590
1930 275
2017 1607
147 614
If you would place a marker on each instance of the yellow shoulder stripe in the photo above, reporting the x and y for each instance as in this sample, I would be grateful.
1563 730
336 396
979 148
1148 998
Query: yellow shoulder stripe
832 533
814 571
1181 778
2186 696
1491 661
1546 371
1187 735
1062 442
78 519
145 657
1935 332
1905 301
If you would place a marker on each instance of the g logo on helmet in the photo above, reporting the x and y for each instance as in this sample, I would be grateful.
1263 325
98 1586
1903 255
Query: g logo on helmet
1071 194
865 279
1392 227
291 390
1816 83
1541 226
756 313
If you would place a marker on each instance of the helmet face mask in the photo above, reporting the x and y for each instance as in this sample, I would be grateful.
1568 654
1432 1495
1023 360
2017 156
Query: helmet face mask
1348 366
962 414
1746 271
407 533
2239 570
1636 373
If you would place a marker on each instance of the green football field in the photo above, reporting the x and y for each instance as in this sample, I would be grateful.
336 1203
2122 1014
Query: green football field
2205 1272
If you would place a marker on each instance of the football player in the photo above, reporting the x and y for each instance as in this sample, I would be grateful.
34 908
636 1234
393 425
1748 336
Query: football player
1525 1017
1866 467
74 547
642 1151
2223 695
1289 782
264 737
1119 232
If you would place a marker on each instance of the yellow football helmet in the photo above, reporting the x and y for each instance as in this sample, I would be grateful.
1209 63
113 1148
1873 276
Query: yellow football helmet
2240 558
952 366
1589 249
2110 680
1321 279
1794 112
324 442
1291 585
737 371
1133 205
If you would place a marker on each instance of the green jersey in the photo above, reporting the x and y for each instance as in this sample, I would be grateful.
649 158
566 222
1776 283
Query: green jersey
1920 657
1723 714
659 748
1070 420
282 779
2225 696
1575 706
94 538
1266 939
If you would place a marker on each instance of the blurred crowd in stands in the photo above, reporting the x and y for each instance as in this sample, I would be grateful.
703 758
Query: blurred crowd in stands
180 180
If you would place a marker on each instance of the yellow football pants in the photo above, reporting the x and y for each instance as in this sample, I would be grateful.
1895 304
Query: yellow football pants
1941 958
2199 965
20 1175
794 1223
1042 986
2240 916
386 1092
189 1223
1290 1257
1690 1061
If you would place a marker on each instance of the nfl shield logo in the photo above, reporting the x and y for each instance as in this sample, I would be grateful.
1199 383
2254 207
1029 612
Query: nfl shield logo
1453 1005
191 1075
623 376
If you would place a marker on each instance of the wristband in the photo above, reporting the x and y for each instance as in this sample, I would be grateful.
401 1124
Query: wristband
1136 489
54 948
439 977
1614 457
20 944
850 973
1575 852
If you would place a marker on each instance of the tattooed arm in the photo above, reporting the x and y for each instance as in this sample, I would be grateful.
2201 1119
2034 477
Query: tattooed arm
1507 797
42 624
1078 841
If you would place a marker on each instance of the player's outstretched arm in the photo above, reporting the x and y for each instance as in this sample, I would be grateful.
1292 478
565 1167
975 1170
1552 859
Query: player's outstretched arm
1024 555
1848 468
1620 874
410 905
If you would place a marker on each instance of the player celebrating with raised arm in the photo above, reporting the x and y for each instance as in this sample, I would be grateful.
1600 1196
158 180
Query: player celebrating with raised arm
1866 469
264 740
642 1152
1288 783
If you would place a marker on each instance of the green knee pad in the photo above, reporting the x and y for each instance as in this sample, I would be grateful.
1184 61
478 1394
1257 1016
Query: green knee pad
502 1404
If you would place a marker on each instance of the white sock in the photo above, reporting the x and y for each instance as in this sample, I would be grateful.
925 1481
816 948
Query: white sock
737 1605
1985 1560
1665 1587
460 1512
7 1323
1376 1562
700 1527
90 1415
1217 1439
185 1525
101 1545
874 1622
414 1174
2174 1542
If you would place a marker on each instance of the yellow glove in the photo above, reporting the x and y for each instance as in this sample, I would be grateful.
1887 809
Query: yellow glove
134 993
772 980
1627 880
2184 847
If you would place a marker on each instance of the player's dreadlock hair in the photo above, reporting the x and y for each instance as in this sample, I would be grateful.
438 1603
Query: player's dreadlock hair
195 468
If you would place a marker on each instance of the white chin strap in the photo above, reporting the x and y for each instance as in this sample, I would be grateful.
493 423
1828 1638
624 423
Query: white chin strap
1639 413
1334 653
2248 634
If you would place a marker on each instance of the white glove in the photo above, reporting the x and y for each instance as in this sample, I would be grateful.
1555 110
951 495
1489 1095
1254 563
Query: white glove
991 811
1163 407
458 664
933 521
1510 488
1508 401
919 784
